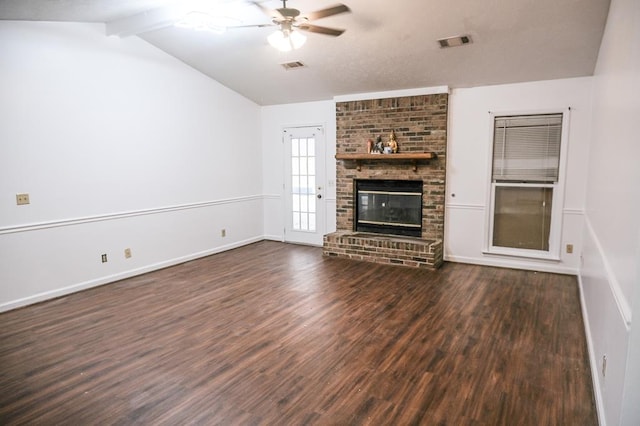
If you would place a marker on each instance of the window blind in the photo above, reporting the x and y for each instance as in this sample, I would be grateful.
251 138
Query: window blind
526 148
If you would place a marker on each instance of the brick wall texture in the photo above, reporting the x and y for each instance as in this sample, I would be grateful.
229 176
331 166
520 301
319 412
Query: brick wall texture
420 125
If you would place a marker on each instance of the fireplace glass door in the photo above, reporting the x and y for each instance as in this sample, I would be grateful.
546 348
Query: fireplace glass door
389 207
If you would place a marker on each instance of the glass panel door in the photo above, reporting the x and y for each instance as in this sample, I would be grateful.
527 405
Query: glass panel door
304 185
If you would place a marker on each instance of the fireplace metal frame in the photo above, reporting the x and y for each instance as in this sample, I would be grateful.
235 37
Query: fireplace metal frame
388 186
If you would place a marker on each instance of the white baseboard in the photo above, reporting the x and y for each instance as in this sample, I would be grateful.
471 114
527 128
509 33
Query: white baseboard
501 263
14 304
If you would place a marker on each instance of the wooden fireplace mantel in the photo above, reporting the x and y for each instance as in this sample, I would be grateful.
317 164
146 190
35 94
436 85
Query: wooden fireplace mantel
413 157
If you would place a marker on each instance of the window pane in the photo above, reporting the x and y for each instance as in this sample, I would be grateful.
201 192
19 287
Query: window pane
312 222
303 147
311 150
295 203
295 166
311 182
304 221
527 148
303 166
296 221
294 147
312 203
295 184
312 166
522 217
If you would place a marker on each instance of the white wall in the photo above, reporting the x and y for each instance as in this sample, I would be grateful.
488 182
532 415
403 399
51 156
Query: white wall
610 278
469 145
274 120
467 162
119 145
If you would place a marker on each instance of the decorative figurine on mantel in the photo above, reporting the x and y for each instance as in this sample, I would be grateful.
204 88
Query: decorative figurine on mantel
369 146
379 146
393 144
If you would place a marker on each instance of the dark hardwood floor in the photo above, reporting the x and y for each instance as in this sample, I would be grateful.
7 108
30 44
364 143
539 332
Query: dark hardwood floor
276 334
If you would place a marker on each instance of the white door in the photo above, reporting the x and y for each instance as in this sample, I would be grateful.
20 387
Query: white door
304 185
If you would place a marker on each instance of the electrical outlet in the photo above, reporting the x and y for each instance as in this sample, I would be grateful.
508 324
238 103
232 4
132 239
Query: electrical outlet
569 248
22 199
604 365
104 258
127 253
223 233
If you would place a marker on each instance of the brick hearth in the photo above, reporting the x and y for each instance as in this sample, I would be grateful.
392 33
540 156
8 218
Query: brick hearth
384 249
420 124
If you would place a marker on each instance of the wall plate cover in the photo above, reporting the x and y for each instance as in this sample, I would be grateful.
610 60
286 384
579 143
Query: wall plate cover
22 199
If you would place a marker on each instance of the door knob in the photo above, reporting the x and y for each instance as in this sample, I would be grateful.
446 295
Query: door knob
319 195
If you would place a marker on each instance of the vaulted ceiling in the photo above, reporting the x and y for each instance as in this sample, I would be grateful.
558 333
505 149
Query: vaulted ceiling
387 45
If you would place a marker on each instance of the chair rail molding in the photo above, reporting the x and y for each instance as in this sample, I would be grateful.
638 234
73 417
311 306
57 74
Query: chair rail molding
120 215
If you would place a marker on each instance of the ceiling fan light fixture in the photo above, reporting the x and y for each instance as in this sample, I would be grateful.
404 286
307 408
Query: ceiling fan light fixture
286 40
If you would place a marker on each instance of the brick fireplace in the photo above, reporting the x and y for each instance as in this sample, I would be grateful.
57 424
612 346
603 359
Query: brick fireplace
420 126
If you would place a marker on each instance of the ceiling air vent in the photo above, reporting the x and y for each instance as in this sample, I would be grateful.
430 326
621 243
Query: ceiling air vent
454 41
293 65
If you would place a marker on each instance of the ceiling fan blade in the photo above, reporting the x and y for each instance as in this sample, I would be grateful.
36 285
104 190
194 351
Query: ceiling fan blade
271 13
320 30
329 11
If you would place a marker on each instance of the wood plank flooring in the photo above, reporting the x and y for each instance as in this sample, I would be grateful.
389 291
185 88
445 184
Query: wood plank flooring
276 334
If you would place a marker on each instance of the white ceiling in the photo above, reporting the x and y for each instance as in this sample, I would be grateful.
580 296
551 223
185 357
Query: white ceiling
388 45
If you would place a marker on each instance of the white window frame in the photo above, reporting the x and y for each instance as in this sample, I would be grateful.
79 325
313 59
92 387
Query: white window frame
557 207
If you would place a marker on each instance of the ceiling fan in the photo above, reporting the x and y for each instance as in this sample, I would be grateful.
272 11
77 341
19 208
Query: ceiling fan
289 20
